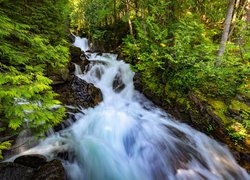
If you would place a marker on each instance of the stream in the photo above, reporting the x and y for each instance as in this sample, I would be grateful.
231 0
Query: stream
126 137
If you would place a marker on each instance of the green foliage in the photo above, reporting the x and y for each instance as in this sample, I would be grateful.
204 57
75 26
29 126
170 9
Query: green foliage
173 45
174 48
3 146
29 45
237 133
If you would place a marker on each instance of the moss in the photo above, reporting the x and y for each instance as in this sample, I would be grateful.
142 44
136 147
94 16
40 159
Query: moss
237 106
219 108
244 88
238 133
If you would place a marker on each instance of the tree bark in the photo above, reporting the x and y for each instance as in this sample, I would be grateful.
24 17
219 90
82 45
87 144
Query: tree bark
226 27
239 15
129 20
248 14
115 17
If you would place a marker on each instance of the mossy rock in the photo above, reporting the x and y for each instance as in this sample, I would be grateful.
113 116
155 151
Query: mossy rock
237 107
219 108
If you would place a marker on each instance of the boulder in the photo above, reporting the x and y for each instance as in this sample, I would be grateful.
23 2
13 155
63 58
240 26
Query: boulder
71 38
137 82
78 93
59 76
75 54
85 94
33 161
13 171
53 170
118 84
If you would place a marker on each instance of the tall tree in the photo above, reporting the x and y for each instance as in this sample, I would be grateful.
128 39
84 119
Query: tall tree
248 14
226 27
128 14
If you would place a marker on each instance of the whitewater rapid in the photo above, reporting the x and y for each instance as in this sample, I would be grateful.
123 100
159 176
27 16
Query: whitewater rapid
126 137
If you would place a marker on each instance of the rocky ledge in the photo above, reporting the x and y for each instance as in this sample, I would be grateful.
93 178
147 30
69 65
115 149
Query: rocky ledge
32 167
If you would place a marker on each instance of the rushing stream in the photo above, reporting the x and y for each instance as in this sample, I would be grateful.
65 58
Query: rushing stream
126 137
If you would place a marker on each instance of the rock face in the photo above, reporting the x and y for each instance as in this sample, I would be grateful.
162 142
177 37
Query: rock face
13 171
32 167
85 94
78 93
75 54
52 170
118 84
73 90
33 161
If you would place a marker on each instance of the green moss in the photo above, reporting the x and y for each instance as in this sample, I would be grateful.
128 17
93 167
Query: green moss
237 106
219 108
244 88
237 132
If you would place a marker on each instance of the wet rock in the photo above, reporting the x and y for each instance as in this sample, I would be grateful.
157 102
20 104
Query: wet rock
85 94
25 140
137 82
52 170
68 156
68 122
84 64
245 160
75 54
33 161
71 38
13 171
78 93
59 76
65 93
118 84
99 53
89 51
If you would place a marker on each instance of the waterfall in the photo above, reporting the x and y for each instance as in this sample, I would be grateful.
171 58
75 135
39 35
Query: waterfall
78 70
82 43
126 137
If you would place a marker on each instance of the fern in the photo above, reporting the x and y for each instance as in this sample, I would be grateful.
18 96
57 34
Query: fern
4 146
29 44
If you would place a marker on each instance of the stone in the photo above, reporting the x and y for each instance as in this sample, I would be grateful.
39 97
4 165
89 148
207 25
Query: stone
53 170
67 155
67 122
86 94
24 141
118 84
65 93
33 160
13 171
59 76
71 38
245 160
75 54
137 82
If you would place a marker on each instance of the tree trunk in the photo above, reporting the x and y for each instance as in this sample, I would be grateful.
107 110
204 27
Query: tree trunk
226 27
129 20
239 14
115 17
248 14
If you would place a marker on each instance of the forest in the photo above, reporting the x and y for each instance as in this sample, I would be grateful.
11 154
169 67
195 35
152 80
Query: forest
192 57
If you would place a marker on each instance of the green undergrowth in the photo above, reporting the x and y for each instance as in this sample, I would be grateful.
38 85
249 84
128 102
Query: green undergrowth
178 63
32 39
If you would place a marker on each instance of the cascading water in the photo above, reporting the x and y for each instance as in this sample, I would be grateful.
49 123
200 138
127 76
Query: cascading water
126 137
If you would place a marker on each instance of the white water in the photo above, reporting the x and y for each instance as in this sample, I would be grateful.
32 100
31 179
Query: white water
78 70
126 137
